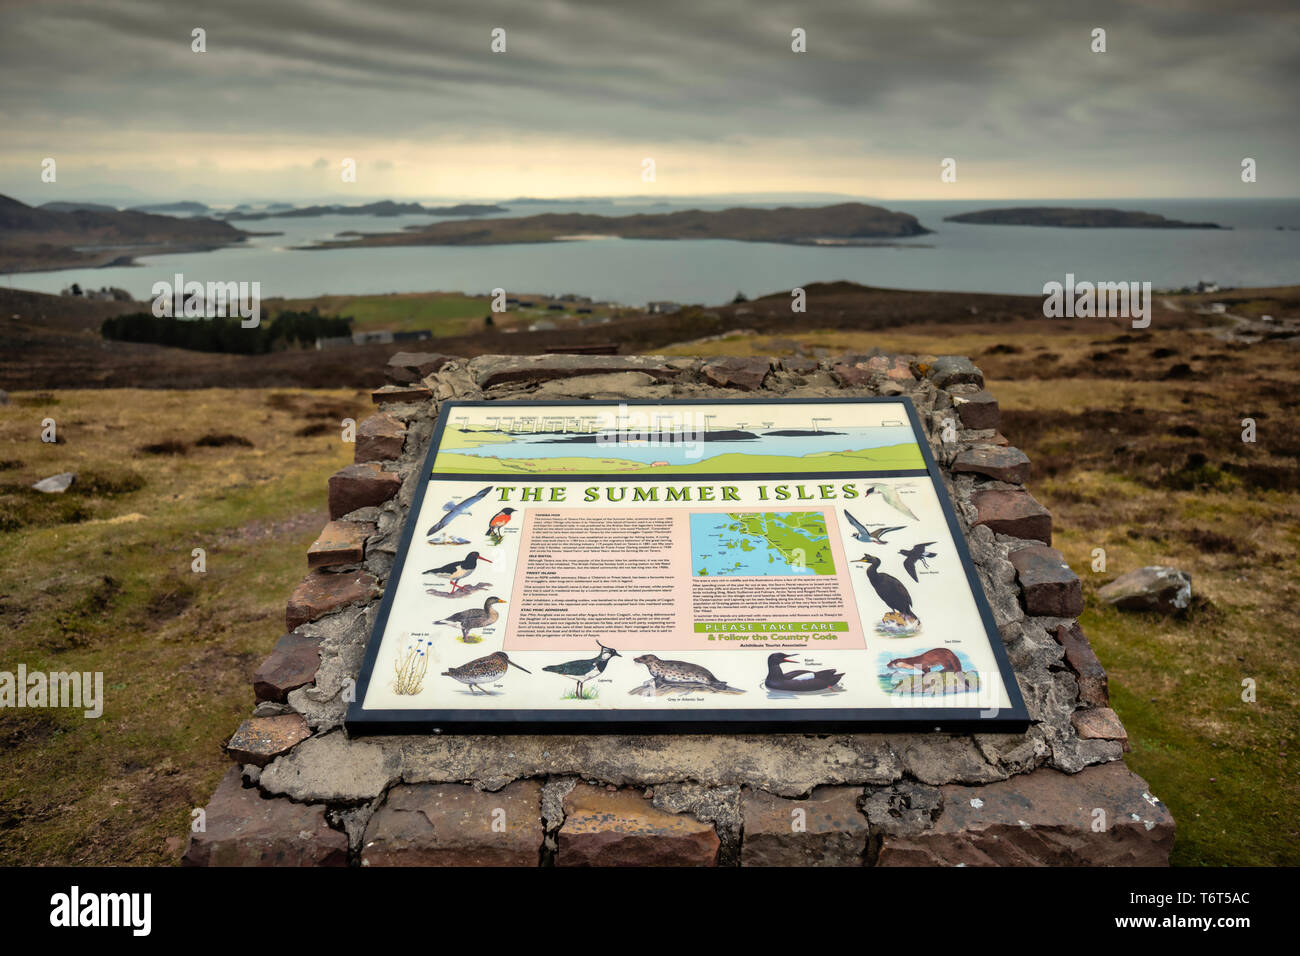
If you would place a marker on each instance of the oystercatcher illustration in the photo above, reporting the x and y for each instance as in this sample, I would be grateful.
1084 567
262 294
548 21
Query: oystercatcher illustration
888 588
585 670
864 533
457 571
483 670
455 509
800 681
498 523
914 554
473 618
890 496
679 673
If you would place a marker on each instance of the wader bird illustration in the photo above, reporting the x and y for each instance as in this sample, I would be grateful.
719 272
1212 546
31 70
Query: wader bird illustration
583 671
888 588
914 554
455 509
484 670
891 498
797 681
459 570
472 618
864 533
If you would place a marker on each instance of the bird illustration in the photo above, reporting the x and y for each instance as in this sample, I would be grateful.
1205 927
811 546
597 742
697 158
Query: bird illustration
585 670
797 681
473 617
459 570
891 498
483 670
456 509
914 554
863 533
888 588
499 521
668 673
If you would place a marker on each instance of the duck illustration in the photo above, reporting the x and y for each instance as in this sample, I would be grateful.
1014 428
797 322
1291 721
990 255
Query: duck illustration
585 670
669 673
483 670
455 509
890 496
459 570
499 521
864 533
914 554
797 681
472 618
888 588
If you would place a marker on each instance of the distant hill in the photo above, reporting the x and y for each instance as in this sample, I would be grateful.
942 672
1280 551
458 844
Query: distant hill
843 224
1075 218
75 206
188 208
384 208
35 239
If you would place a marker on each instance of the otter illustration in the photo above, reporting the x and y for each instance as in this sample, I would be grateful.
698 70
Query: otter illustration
939 657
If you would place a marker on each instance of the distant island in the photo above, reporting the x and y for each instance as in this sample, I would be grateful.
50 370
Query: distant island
1075 218
385 208
167 208
843 224
37 239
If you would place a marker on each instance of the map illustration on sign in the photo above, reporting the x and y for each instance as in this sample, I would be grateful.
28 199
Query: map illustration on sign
682 566
761 543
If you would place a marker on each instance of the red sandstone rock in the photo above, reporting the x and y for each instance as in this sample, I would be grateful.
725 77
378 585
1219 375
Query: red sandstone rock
379 438
1045 818
1014 513
241 828
1050 588
1003 464
292 664
322 591
747 374
394 394
340 542
500 370
978 410
455 825
259 740
622 828
407 367
1100 723
1094 686
357 486
827 829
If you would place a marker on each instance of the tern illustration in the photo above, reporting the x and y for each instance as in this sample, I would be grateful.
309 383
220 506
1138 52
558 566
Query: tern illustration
891 498
864 532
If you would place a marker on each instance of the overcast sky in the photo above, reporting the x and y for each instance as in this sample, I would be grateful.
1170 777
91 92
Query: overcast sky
585 91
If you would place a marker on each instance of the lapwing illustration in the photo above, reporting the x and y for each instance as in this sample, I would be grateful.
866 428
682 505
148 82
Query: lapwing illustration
473 618
669 673
455 509
888 588
914 554
585 670
498 523
800 681
890 495
483 670
864 532
457 571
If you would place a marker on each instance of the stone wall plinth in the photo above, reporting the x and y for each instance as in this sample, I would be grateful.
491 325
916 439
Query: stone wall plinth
304 793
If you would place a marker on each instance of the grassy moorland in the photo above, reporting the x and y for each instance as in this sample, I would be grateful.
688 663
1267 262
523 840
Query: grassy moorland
100 579
1136 442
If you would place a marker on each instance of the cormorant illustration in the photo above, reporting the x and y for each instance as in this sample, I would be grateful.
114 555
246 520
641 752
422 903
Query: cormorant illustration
914 554
455 509
888 588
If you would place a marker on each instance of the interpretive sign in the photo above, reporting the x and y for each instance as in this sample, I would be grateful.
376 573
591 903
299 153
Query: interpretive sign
683 566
